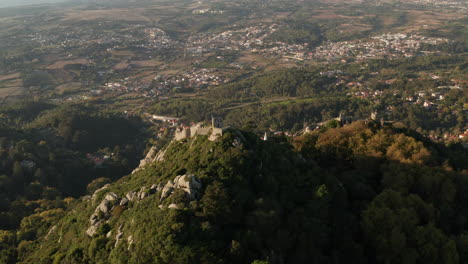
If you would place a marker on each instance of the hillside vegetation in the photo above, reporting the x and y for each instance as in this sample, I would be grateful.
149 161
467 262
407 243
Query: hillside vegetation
362 192
50 154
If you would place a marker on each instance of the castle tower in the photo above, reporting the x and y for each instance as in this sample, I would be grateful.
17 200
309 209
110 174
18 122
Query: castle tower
217 128
341 117
305 124
216 122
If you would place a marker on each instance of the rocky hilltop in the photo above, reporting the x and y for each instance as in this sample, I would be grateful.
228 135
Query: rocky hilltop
357 192
187 183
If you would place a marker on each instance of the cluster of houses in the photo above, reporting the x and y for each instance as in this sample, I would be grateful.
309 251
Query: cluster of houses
124 86
162 84
455 4
157 39
432 99
253 38
75 37
386 45
196 78
98 159
207 11
447 137
297 52
239 39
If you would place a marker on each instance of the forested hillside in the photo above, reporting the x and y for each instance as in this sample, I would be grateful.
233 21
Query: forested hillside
337 132
360 192
50 155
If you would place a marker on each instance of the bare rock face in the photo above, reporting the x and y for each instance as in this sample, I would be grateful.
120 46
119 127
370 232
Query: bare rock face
51 230
130 196
188 183
91 230
129 241
142 194
173 206
111 196
159 187
167 190
93 197
147 160
123 202
151 157
94 219
155 188
104 206
102 212
107 203
119 235
162 153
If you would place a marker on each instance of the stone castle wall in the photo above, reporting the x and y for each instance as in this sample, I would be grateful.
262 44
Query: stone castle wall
199 131
217 131
181 134
213 132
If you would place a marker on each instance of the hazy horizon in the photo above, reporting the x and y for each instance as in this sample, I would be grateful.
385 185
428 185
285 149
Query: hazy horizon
13 3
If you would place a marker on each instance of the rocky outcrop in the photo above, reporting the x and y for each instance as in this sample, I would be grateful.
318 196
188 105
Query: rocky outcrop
129 241
188 183
151 157
167 189
142 194
147 160
102 212
107 203
51 230
130 196
173 206
156 188
119 235
123 202
92 230
162 153
93 197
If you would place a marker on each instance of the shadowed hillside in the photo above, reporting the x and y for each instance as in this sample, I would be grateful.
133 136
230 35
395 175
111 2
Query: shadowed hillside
361 192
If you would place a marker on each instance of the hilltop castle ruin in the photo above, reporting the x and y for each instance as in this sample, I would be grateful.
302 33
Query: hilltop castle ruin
201 129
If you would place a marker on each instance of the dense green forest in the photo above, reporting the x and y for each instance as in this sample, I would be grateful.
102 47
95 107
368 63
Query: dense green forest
364 192
50 154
